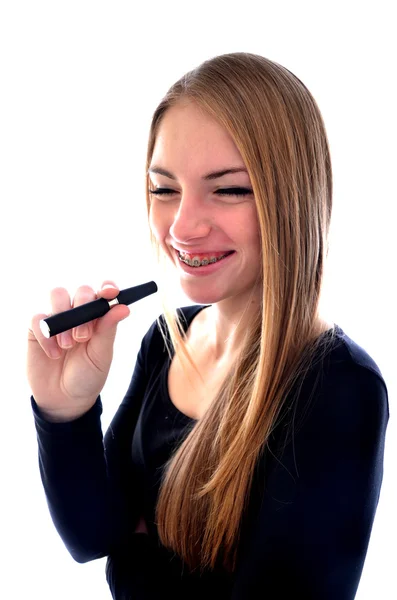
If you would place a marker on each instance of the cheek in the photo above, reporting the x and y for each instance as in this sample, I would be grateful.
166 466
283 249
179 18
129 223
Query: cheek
155 223
248 230
254 228
159 223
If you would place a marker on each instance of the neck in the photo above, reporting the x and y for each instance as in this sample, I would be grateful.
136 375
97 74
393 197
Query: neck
223 333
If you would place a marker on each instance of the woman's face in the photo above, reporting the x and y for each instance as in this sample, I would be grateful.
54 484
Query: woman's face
197 216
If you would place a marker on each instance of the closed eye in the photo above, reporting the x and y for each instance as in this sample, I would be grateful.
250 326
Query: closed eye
223 192
237 191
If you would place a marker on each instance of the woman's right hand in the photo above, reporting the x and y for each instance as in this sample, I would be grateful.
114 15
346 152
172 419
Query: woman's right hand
67 372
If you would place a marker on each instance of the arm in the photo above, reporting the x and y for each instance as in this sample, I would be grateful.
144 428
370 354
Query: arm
309 539
91 488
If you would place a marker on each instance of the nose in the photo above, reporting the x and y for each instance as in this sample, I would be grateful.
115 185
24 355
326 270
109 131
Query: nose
192 219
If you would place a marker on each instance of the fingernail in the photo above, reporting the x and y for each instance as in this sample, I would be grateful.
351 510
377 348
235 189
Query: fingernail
81 332
108 285
66 340
55 352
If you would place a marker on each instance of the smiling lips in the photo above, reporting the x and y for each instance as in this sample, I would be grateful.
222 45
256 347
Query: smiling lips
202 259
203 255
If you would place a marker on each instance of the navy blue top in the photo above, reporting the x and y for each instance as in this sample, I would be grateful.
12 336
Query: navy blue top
313 499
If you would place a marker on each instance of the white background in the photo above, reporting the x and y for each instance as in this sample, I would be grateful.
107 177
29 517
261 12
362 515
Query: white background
79 82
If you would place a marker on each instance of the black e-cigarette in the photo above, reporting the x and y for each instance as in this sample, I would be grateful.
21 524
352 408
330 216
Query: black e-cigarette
93 310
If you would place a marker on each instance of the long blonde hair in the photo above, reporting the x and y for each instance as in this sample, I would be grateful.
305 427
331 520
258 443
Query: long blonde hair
278 129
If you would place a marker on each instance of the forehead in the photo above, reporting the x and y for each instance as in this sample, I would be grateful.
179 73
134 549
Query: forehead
187 133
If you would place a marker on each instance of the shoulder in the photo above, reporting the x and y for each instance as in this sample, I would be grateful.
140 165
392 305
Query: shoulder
342 400
348 350
353 379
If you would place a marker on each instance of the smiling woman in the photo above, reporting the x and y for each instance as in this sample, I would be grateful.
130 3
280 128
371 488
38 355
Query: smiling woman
209 211
239 459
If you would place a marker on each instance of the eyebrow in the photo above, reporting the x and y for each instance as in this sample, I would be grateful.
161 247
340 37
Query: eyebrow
209 177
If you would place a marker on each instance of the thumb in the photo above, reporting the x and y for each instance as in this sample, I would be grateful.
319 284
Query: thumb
106 329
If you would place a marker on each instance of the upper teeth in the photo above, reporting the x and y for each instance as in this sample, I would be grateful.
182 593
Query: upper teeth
196 260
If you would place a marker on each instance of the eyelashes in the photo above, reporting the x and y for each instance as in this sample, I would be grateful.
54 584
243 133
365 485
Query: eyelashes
237 191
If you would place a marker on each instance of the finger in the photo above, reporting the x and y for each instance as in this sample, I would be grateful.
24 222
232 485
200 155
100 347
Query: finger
84 294
60 301
107 325
102 341
49 345
109 290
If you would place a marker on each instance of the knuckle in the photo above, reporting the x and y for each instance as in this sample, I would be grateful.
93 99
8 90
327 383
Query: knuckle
83 294
58 290
35 324
85 289
109 282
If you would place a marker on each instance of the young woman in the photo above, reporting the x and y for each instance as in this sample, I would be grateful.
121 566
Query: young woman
245 461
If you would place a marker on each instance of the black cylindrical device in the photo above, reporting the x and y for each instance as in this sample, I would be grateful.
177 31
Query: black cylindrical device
93 310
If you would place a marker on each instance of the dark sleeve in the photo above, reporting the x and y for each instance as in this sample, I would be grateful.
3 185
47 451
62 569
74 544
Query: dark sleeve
90 484
309 539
